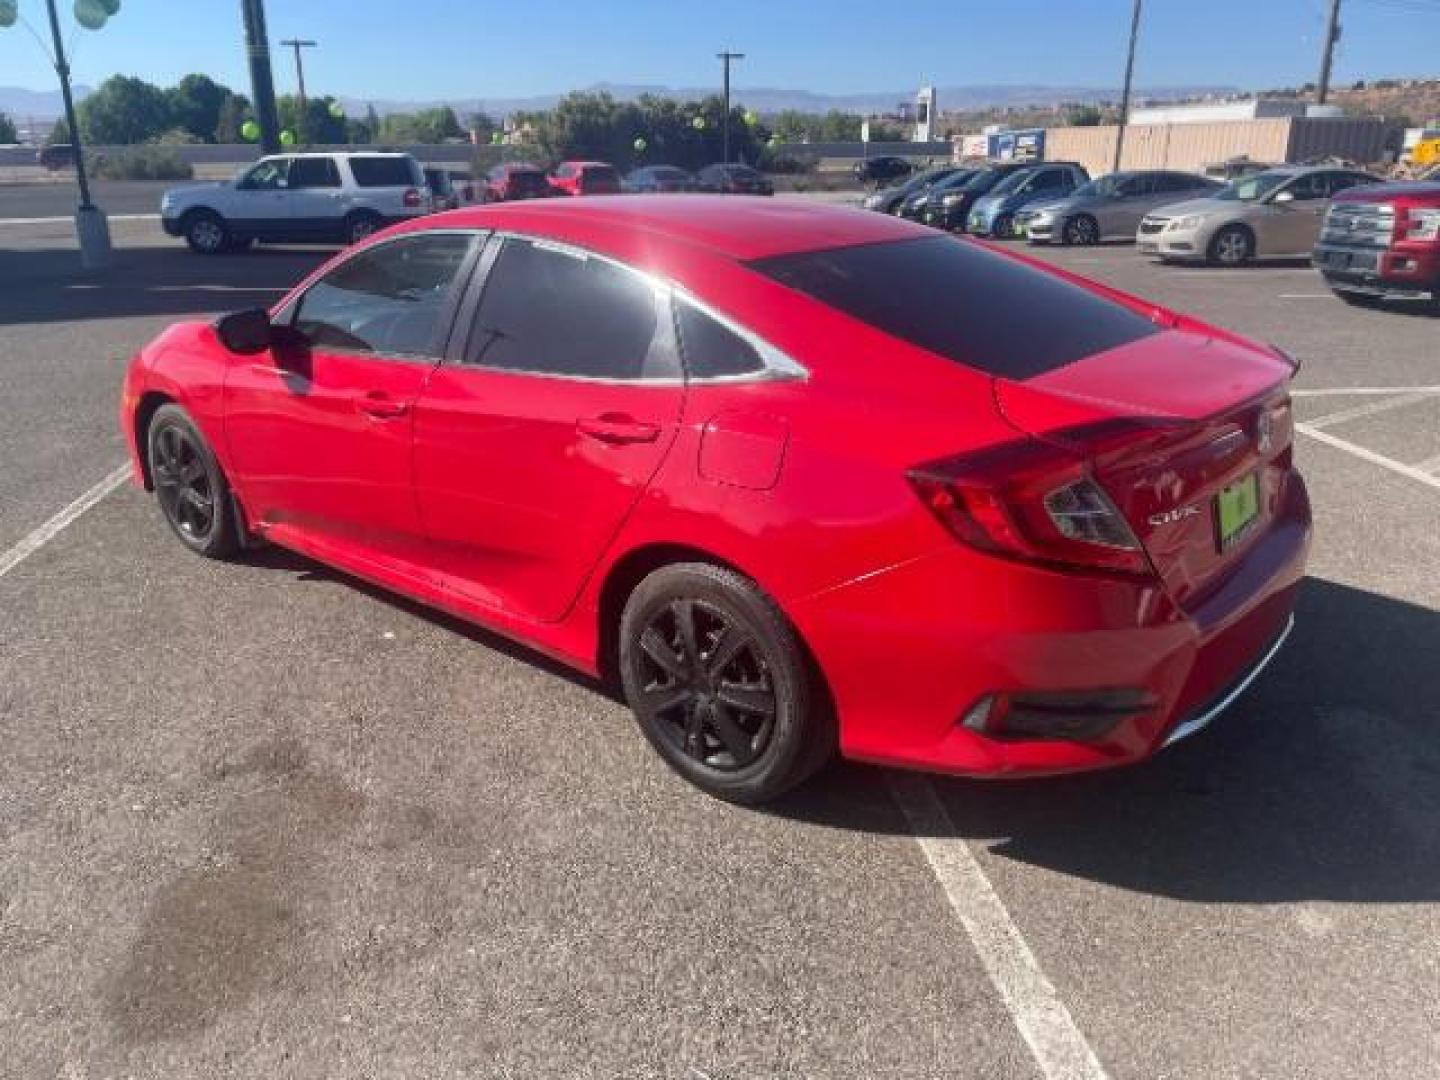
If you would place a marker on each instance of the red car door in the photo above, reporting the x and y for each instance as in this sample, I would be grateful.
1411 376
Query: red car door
532 449
320 431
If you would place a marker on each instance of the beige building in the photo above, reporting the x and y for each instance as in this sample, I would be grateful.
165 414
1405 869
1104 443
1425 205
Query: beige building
1190 146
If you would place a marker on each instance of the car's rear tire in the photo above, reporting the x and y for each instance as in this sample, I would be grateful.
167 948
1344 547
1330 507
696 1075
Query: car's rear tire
189 484
1081 231
721 685
361 225
206 232
1234 245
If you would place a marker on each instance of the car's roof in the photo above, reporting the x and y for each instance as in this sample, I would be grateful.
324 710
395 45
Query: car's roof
726 225
585 162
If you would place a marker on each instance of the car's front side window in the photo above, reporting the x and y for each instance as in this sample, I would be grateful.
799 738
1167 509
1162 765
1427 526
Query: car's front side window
552 310
387 299
268 175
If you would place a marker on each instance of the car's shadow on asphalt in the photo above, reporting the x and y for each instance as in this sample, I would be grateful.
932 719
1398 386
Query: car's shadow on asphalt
1322 783
46 285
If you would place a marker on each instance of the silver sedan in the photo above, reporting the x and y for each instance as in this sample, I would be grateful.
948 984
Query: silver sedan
1110 207
1272 214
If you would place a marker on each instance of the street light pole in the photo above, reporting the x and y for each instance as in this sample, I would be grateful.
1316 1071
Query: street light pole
725 58
1125 93
1327 55
91 229
262 85
297 44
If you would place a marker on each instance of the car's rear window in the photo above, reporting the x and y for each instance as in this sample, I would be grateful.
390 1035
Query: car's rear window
383 171
602 173
963 302
528 180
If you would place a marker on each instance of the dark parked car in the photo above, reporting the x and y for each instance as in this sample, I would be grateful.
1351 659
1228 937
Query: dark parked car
516 181
443 195
888 200
913 206
948 207
466 190
878 169
654 179
56 156
733 180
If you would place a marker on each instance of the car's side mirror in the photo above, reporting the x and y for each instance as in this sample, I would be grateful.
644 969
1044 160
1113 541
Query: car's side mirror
245 332
1284 197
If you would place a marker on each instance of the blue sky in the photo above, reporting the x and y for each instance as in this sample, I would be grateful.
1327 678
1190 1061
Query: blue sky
509 48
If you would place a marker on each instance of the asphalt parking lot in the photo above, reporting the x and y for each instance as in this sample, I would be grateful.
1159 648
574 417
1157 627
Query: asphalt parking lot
257 819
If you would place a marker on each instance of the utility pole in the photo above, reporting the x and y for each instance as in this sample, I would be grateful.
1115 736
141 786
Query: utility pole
297 44
725 58
262 85
1327 53
1125 93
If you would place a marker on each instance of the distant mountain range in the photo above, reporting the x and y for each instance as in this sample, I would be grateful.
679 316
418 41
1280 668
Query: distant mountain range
22 103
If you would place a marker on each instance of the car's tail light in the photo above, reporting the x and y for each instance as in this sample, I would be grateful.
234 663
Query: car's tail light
1037 502
412 197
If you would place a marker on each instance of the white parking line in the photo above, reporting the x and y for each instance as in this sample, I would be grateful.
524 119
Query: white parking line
1041 1017
67 219
1371 456
1346 391
1355 412
39 537
1429 465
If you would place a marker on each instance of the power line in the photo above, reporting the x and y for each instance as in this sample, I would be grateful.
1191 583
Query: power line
297 44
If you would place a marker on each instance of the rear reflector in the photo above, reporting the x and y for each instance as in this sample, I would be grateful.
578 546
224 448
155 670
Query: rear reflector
1075 716
412 197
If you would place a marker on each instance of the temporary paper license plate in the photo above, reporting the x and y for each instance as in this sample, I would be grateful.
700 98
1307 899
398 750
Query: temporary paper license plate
1237 508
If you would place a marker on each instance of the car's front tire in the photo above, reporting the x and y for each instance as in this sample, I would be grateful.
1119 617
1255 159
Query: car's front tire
1234 245
721 685
189 484
1081 231
206 232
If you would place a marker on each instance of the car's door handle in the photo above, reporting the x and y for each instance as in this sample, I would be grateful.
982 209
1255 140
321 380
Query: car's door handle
617 428
380 406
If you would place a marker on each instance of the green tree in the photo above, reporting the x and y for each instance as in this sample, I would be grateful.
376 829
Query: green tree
59 134
195 105
425 127
837 126
320 126
8 134
124 110
233 111
1084 116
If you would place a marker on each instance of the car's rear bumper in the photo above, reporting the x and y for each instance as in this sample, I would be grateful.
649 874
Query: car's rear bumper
907 657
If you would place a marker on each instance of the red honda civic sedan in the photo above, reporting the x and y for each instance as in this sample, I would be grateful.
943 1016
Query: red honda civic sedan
797 477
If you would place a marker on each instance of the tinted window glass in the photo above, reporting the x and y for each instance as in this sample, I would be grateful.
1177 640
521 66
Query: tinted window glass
962 302
711 348
1341 181
1309 187
386 300
314 173
558 312
527 181
383 171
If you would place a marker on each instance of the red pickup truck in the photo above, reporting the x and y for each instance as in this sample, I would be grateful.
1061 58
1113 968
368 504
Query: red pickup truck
1382 241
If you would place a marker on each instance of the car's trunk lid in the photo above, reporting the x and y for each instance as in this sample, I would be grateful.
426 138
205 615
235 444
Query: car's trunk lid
1173 425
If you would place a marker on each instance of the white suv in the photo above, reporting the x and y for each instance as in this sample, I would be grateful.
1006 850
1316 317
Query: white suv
298 198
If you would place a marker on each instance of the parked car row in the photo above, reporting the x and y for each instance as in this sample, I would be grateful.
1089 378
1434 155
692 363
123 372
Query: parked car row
1371 241
524 181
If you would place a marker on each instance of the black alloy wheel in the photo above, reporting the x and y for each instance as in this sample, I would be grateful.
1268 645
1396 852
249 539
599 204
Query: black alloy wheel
720 684
191 490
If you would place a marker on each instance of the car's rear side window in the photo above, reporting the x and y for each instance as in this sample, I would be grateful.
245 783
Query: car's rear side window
962 302
383 172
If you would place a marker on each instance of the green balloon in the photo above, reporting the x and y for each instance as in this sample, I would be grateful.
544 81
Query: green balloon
698 123
112 7
90 14
752 118
337 110
8 13
287 137
250 131
640 146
